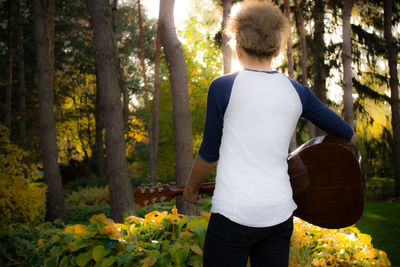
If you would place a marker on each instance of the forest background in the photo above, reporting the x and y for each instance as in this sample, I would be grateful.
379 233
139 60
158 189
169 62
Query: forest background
145 91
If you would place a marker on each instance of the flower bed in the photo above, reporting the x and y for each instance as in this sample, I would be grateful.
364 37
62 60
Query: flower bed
169 239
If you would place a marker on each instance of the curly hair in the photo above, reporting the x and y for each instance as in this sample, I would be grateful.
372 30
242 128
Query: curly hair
258 27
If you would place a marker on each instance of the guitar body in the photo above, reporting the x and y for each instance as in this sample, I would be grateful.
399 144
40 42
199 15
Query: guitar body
327 183
326 179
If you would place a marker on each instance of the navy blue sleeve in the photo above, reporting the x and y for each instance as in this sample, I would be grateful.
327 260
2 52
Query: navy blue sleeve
218 96
315 111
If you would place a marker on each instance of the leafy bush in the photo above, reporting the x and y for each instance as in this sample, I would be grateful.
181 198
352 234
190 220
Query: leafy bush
379 189
22 198
168 239
84 212
89 196
92 181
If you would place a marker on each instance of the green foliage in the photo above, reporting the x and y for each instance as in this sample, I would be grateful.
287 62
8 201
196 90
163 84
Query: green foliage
84 212
379 189
22 198
167 239
78 183
89 196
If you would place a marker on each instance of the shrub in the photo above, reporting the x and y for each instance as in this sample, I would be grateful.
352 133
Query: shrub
22 198
171 239
89 196
84 213
91 181
379 189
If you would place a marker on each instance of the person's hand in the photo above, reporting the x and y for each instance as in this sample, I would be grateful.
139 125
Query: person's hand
191 196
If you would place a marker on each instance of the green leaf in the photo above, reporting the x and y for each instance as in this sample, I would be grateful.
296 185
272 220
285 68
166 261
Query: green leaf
199 227
99 252
52 262
78 244
65 262
108 261
84 258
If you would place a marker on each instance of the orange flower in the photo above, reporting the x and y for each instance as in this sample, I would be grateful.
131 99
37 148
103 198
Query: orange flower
101 218
78 230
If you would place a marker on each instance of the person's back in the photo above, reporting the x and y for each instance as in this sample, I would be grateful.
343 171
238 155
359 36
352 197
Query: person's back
251 116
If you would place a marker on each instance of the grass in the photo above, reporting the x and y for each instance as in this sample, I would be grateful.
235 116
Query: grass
381 220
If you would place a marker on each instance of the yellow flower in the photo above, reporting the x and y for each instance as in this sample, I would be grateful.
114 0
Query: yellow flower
134 219
113 231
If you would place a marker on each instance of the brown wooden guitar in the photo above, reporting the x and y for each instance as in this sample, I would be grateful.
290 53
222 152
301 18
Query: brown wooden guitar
326 178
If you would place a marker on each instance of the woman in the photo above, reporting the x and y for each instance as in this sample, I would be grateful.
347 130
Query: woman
251 116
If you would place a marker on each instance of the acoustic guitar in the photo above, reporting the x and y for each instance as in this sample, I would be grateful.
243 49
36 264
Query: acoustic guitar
326 178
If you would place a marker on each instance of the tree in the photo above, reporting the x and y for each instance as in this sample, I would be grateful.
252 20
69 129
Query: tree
226 49
152 177
303 60
9 68
21 78
319 48
346 58
44 26
289 56
175 57
394 88
121 195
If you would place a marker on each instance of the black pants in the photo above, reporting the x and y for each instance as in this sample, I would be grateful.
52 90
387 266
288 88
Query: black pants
231 244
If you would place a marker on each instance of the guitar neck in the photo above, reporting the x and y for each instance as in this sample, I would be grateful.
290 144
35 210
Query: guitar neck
205 188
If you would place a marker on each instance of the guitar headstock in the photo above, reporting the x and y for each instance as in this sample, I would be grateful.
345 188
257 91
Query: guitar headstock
145 195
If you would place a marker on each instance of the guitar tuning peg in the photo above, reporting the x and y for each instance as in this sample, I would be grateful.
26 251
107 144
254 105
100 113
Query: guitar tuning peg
152 190
158 184
163 198
141 185
142 190
154 200
151 185
146 202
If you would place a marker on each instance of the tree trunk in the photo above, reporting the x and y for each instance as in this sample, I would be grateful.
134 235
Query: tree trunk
289 55
99 150
9 68
394 89
21 79
55 197
175 57
226 49
346 57
121 80
320 68
303 61
152 177
121 195
156 104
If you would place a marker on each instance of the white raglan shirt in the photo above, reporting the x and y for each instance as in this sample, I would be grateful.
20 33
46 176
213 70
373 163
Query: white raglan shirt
251 116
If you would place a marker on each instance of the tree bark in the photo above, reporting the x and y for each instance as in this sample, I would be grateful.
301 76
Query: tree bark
289 56
226 49
318 13
121 80
55 197
156 104
303 61
121 195
394 89
99 150
175 57
21 79
9 68
346 58
152 177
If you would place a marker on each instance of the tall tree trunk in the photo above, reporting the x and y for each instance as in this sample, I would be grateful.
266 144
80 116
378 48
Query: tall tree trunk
175 57
99 149
152 177
21 79
289 55
121 195
346 58
55 197
394 89
156 104
9 68
320 68
226 49
121 80
303 61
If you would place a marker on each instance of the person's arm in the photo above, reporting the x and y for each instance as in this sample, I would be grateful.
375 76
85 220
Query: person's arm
200 170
